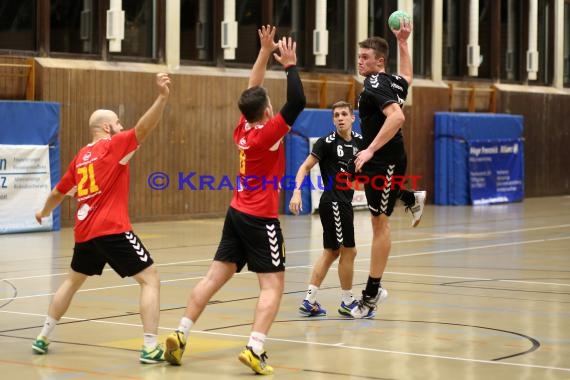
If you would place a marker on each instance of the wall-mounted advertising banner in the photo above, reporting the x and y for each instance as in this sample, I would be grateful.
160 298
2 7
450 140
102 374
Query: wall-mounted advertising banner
24 187
496 171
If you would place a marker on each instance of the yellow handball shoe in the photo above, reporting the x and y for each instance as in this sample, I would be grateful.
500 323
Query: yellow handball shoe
175 346
255 362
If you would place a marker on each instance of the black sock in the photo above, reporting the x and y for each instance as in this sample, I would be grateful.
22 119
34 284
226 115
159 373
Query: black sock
407 197
372 286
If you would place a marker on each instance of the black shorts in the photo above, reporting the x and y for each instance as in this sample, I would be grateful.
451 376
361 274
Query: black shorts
124 252
252 240
337 219
386 179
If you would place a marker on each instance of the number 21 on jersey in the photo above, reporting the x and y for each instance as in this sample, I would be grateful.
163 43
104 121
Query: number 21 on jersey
87 184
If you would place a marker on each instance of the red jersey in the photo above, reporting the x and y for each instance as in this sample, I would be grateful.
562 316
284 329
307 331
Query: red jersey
261 166
98 176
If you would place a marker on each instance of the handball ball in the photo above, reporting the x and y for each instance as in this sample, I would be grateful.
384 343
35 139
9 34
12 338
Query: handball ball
394 19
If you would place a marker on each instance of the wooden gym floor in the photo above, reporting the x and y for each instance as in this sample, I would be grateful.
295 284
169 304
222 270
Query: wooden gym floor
474 293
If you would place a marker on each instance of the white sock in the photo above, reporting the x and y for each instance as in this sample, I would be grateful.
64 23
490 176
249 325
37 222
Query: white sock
347 297
185 326
312 293
150 341
256 341
49 325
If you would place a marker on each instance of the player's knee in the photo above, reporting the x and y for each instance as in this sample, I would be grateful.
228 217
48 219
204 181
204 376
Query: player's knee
349 252
149 276
332 253
380 222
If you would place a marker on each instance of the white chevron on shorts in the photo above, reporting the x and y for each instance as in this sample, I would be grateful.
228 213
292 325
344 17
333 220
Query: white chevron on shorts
337 223
386 192
137 246
273 244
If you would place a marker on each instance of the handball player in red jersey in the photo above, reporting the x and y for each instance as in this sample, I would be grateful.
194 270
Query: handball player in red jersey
98 177
252 233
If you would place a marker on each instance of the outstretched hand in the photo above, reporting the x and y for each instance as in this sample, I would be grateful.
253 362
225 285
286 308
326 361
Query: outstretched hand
405 30
287 55
163 81
267 37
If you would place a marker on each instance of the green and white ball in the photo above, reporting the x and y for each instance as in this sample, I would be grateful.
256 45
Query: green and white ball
394 19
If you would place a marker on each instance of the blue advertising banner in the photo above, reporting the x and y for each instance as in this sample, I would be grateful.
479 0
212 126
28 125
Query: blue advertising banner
29 135
454 133
496 171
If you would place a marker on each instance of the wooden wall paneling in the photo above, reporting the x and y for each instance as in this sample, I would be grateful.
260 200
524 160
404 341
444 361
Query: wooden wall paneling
547 137
556 131
196 132
73 130
419 134
57 81
184 119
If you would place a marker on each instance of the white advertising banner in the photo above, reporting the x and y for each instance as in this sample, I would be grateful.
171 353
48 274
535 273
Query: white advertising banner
358 199
24 187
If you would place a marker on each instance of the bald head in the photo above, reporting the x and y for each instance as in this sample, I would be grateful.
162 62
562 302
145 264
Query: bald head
104 122
102 116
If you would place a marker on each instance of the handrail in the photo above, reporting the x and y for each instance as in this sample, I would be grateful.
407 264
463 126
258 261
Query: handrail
29 73
472 89
324 82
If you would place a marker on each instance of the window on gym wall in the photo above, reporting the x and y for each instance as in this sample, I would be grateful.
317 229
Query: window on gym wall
140 31
18 25
545 42
197 30
453 39
378 13
289 18
421 36
73 26
486 27
337 13
249 19
511 40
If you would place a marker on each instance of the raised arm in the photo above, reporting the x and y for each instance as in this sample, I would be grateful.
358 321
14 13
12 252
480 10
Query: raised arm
296 100
268 46
152 116
402 34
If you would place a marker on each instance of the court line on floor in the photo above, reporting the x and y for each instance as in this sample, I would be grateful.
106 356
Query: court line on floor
451 250
454 250
336 345
470 278
68 372
368 245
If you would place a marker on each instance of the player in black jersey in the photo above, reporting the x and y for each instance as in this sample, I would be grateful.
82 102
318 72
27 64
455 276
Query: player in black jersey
380 109
333 153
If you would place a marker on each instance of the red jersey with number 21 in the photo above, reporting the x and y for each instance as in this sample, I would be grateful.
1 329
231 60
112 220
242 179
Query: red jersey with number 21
261 166
98 176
